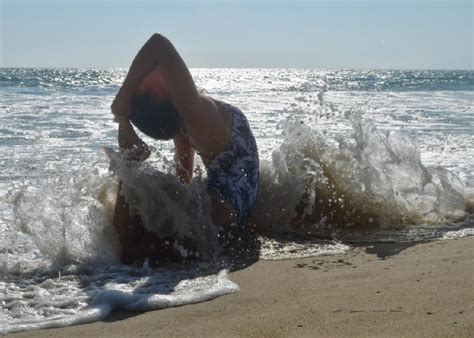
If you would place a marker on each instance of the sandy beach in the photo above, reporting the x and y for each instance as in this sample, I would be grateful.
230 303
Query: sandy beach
424 289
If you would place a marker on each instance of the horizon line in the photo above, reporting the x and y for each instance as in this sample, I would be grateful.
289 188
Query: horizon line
301 68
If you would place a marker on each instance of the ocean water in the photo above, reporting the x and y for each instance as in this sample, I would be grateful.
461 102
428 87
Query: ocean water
346 156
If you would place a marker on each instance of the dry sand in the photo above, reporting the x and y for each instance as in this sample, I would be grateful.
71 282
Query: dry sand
376 290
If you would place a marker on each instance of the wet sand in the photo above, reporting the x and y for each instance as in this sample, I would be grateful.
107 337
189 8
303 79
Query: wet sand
410 290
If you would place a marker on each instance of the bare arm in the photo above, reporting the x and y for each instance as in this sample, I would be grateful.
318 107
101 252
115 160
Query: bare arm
199 114
159 52
128 226
185 158
129 140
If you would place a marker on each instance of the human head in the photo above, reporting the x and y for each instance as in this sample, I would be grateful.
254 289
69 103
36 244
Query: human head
157 120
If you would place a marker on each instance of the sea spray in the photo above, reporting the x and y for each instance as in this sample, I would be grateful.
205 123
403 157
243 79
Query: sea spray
371 179
68 217
166 206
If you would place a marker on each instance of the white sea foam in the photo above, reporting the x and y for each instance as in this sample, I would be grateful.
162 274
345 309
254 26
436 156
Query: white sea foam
81 295
290 248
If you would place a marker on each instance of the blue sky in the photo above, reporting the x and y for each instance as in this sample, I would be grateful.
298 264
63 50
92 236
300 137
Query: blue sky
311 34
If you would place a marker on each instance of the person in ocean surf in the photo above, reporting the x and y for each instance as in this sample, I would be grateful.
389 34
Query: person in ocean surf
160 98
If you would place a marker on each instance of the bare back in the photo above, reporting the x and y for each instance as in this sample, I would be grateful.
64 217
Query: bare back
209 129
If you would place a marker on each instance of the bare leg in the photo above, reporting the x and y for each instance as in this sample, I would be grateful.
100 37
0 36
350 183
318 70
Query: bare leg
128 227
136 243
125 223
222 214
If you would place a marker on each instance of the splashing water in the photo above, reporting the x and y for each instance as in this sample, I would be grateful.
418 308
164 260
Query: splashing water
166 206
371 180
74 276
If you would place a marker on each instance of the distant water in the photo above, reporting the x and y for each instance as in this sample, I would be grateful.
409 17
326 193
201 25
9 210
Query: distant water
374 156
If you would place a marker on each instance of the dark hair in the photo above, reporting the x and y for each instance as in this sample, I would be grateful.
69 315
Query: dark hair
157 120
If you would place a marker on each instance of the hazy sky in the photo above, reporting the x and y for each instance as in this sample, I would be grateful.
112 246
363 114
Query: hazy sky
315 34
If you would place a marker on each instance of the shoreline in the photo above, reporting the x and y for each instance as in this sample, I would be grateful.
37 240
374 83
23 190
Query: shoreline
407 289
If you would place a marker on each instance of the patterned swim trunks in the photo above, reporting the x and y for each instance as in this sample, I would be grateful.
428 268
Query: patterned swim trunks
234 172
